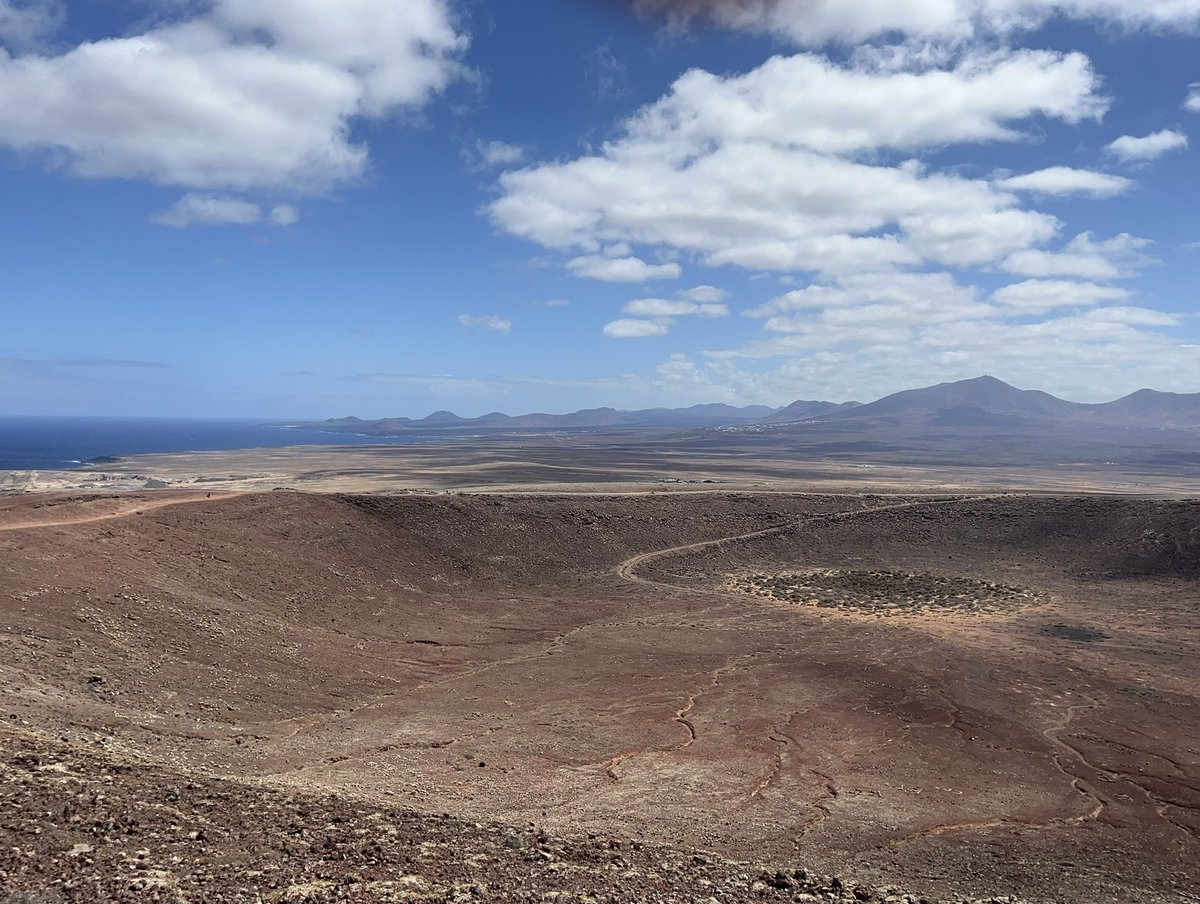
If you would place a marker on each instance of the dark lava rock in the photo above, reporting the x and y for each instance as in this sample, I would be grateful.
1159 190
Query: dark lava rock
1077 633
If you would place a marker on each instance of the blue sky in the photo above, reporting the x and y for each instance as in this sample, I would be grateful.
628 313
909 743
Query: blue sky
310 208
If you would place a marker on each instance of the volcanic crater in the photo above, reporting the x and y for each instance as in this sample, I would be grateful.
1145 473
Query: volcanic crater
580 662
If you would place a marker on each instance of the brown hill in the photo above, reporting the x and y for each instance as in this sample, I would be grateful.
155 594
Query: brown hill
588 419
1150 408
802 410
987 401
983 394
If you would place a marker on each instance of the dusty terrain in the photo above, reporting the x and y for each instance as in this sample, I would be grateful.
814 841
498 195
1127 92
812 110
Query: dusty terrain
91 827
583 663
627 462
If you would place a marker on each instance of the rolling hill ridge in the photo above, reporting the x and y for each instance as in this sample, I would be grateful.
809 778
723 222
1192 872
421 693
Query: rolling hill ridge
979 402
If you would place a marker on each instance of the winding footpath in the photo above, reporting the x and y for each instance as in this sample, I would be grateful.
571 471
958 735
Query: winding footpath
135 507
628 569
1060 748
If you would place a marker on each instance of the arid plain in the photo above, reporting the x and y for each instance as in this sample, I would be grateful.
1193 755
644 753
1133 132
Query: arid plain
959 681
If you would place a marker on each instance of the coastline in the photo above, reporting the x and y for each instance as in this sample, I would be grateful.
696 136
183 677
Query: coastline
566 465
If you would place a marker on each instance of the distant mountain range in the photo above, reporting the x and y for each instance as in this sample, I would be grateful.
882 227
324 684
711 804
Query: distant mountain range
986 401
716 415
806 411
980 402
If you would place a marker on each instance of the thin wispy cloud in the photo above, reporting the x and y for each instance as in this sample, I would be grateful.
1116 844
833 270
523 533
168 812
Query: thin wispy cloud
1192 103
217 210
622 269
631 328
607 77
663 307
703 294
491 322
104 363
1063 180
486 155
25 23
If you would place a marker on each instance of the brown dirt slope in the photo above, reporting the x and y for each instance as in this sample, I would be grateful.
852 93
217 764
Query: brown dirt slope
81 826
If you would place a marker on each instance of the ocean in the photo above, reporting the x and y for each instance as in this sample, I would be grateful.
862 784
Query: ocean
57 443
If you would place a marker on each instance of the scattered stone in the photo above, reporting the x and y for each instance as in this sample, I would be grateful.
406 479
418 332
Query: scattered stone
889 593
1077 633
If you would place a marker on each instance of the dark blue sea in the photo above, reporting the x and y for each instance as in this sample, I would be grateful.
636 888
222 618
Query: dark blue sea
56 443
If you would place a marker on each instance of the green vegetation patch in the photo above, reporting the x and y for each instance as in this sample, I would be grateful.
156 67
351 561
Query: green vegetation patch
889 593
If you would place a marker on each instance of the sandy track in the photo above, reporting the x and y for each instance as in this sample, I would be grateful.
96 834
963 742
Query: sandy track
628 568
627 571
125 508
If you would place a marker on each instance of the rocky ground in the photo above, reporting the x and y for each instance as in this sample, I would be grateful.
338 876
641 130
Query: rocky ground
82 826
889 592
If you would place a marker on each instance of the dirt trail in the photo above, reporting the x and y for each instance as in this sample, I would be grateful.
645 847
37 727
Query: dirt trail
628 568
129 507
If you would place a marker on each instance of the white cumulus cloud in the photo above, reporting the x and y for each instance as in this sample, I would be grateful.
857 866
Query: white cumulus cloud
815 22
621 269
246 94
807 101
664 307
636 329
775 169
1091 354
872 288
1064 180
871 305
1037 296
1148 147
1193 99
703 294
1083 257
656 316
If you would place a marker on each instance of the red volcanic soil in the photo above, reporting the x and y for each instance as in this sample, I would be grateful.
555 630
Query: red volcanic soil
585 663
